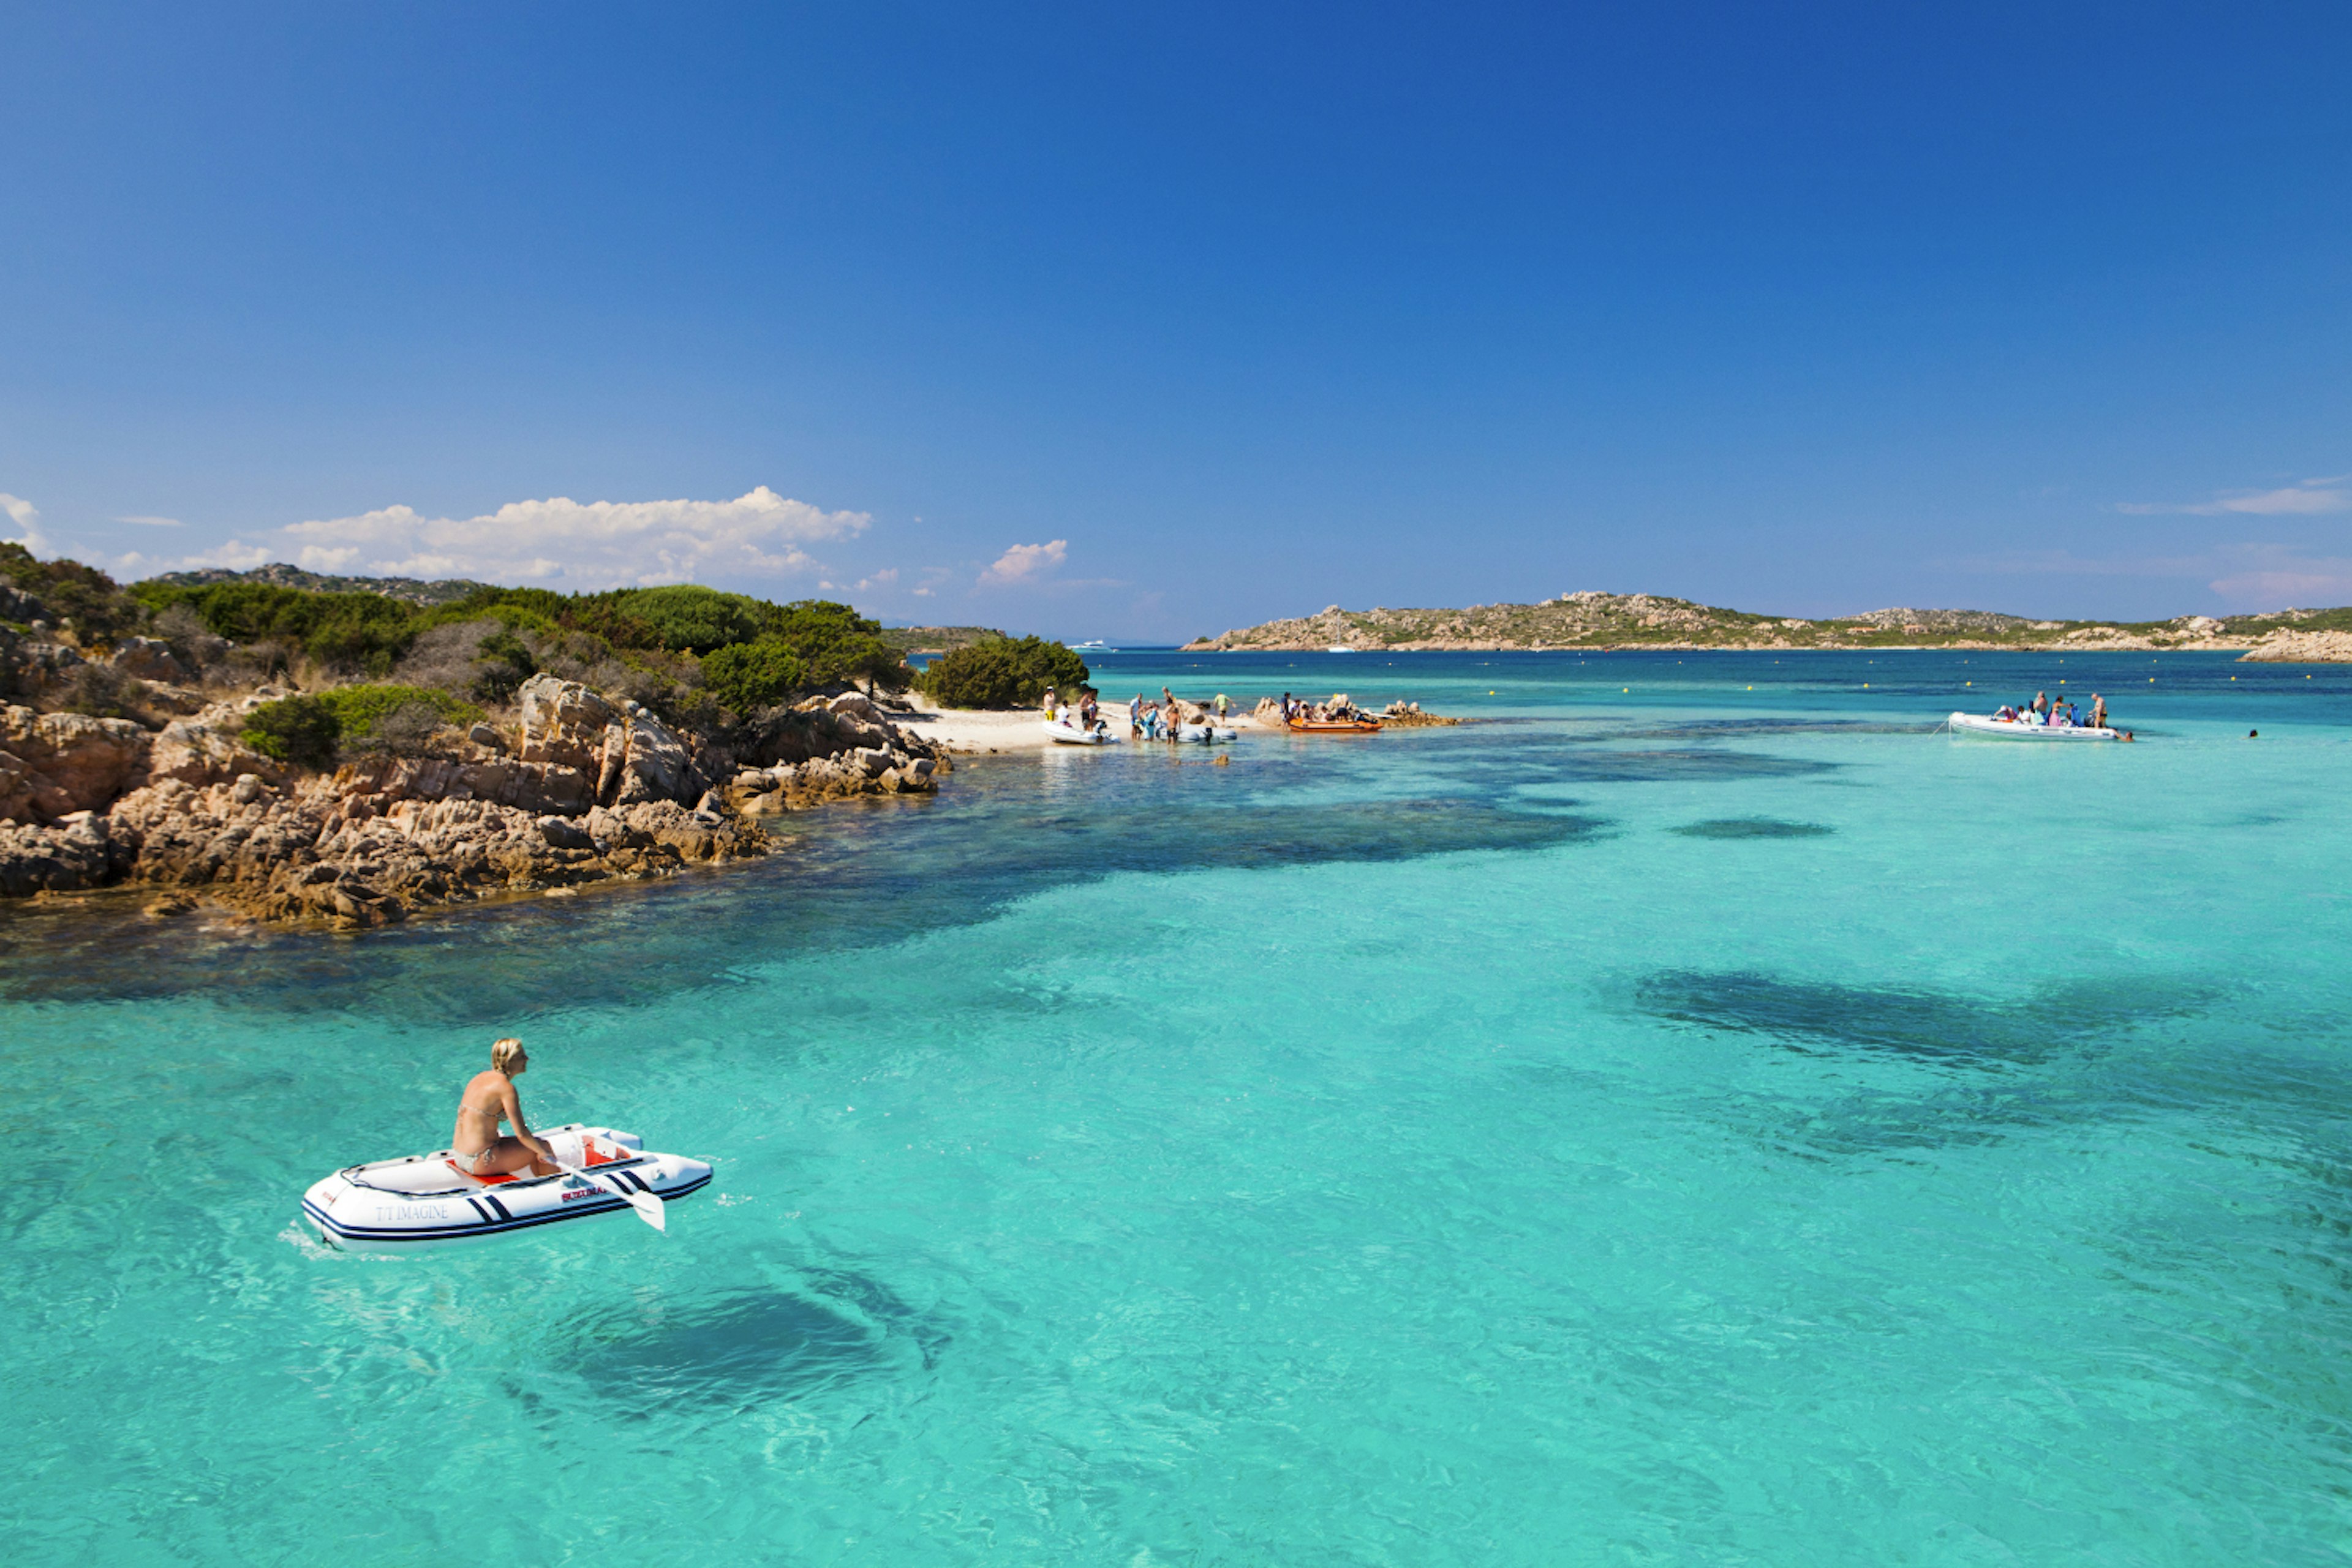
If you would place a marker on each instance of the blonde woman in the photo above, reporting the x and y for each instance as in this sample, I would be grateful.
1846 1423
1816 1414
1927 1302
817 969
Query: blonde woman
489 1098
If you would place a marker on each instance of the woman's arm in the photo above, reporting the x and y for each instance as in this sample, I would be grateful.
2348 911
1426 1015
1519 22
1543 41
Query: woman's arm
513 1104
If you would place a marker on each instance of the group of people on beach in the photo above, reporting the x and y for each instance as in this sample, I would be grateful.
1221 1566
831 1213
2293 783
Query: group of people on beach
1146 719
1165 720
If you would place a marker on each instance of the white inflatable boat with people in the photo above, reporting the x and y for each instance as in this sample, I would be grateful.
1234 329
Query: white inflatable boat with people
485 1184
1081 724
2041 719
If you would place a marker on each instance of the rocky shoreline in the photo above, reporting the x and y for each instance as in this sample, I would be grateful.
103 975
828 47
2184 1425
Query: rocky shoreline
578 788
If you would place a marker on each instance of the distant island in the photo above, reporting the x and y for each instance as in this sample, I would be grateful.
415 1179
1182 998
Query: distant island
279 574
1603 622
938 640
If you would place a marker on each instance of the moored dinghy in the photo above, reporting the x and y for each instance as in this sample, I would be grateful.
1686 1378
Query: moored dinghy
429 1200
2019 730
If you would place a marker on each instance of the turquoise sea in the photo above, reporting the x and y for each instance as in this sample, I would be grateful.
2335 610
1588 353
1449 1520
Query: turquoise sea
1702 1116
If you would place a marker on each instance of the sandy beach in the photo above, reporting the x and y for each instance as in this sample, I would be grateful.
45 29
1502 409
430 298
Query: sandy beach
978 730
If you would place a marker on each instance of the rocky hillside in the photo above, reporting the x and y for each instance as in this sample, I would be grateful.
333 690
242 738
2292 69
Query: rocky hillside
316 753
1602 621
279 574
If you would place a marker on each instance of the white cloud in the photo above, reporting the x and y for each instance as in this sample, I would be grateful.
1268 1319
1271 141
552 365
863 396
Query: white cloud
25 519
145 522
882 579
1027 562
2275 576
2309 498
584 544
2248 577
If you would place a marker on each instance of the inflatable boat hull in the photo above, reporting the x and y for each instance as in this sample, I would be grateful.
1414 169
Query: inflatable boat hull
2018 729
426 1201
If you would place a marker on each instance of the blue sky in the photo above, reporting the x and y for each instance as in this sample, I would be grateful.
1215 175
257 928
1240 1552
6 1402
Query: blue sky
1145 323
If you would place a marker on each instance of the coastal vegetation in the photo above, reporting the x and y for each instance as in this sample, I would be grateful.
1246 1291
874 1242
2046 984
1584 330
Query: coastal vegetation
309 730
301 750
663 635
1602 621
1003 672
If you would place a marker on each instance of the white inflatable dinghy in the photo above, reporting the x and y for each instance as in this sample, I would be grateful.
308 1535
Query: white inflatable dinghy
1207 734
1072 735
2019 730
430 1200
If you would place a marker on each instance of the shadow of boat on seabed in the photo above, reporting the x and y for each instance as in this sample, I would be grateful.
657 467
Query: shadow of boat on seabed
748 1347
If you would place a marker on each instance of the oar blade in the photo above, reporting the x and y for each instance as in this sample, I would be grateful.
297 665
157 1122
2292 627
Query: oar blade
649 1209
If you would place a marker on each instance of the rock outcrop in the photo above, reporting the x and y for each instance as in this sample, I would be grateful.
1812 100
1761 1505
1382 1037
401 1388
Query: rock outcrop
204 752
80 851
366 848
54 764
563 722
147 659
597 789
2302 648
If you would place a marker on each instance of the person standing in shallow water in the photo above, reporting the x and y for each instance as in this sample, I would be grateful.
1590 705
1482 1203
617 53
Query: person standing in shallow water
489 1098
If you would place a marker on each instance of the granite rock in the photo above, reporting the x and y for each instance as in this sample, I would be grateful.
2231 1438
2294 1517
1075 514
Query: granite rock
52 765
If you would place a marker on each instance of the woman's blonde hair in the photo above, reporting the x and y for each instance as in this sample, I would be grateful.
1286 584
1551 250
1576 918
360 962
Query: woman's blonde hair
503 1053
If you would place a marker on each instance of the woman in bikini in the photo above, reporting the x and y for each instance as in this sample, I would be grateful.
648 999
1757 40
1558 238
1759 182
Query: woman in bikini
489 1098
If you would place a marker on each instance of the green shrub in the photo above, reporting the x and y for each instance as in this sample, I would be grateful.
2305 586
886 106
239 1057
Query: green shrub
690 619
307 730
370 632
507 662
299 730
837 644
356 709
746 675
348 631
1007 672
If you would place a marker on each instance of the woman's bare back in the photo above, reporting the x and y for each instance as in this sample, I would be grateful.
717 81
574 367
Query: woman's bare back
489 1099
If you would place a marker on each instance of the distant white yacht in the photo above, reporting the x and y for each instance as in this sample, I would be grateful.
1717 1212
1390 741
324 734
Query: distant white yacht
1339 647
1092 645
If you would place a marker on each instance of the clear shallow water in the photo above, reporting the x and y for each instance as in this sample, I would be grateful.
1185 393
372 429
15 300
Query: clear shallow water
1676 1124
